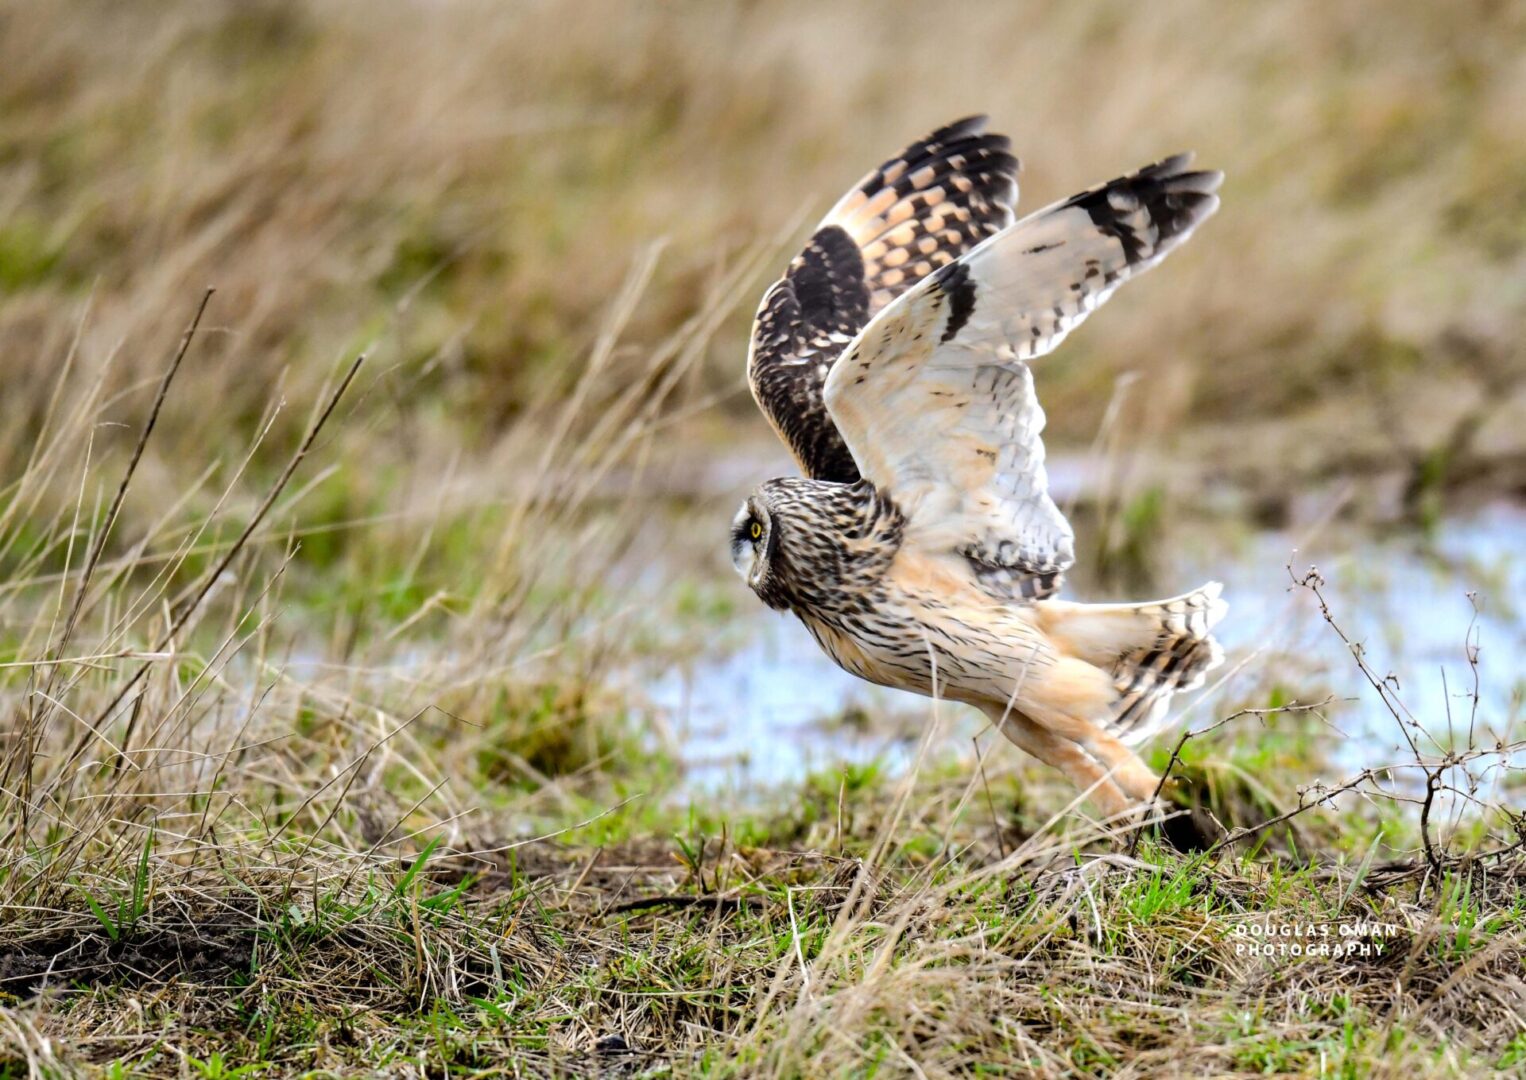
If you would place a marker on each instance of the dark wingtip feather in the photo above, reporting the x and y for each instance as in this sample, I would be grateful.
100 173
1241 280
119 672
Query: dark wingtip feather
1176 197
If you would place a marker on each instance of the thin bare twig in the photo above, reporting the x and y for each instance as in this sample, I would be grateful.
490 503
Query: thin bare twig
216 573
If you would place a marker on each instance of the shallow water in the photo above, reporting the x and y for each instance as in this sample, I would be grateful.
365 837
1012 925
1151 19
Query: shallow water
773 709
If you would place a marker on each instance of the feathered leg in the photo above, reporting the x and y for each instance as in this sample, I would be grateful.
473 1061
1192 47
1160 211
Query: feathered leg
1070 701
1083 770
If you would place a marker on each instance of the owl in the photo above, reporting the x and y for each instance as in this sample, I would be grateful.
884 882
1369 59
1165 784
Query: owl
921 548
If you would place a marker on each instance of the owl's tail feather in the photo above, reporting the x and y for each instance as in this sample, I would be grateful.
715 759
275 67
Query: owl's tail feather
1152 651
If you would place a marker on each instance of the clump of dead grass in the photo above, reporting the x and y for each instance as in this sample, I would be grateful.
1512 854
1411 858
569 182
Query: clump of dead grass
182 772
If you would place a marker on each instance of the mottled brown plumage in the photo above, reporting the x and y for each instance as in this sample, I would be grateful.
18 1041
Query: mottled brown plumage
916 213
922 550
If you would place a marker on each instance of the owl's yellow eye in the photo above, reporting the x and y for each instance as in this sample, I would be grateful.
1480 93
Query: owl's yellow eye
756 530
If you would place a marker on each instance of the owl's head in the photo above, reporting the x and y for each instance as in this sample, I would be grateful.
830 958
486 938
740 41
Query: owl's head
798 543
754 544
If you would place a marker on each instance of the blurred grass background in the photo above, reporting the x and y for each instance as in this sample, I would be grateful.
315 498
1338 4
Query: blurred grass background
461 189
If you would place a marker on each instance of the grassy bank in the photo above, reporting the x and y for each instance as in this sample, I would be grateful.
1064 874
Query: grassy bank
940 924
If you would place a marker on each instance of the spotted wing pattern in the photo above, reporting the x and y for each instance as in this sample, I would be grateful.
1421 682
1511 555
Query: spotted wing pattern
934 398
916 213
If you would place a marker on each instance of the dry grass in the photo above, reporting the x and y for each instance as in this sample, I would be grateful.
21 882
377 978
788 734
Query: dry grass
311 754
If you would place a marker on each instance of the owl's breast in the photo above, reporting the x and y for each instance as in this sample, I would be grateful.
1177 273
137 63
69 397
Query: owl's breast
929 625
844 647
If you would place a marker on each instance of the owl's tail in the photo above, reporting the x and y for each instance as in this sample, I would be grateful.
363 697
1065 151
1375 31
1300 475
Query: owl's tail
1152 651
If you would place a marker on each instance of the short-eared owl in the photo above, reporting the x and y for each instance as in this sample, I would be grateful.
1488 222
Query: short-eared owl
922 550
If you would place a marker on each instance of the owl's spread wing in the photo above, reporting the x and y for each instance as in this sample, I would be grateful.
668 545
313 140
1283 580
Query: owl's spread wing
934 398
918 212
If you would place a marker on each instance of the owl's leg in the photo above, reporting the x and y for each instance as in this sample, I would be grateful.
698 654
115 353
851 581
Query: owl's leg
1060 700
1125 766
1122 765
1083 770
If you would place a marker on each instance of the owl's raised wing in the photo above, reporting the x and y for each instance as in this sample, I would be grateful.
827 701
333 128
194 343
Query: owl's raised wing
934 398
918 212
